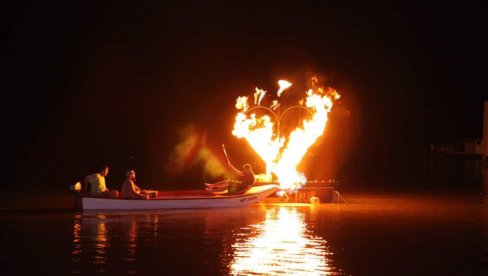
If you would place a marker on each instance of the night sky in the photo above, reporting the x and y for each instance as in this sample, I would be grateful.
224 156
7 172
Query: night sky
123 84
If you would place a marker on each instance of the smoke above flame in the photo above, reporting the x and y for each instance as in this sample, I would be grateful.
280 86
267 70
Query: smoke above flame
194 151
282 154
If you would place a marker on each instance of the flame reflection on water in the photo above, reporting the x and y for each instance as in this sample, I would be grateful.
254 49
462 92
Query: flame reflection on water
263 240
427 234
281 244
101 240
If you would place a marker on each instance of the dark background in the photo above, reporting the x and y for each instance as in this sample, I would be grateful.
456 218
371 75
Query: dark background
123 84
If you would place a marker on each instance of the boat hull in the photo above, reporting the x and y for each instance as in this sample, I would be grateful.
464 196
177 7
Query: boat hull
183 200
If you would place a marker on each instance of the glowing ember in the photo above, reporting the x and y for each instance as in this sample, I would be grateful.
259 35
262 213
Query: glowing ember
283 85
281 154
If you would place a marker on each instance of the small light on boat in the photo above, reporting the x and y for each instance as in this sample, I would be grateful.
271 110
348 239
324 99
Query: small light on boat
75 187
314 200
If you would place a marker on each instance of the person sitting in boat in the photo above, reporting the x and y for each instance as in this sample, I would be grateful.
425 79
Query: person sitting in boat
95 184
244 182
131 190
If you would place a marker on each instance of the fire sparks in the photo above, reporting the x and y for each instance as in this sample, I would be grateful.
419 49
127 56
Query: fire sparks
241 103
283 154
258 96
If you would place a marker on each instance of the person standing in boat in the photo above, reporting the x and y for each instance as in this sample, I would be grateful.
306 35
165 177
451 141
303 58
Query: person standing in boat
130 189
244 182
95 184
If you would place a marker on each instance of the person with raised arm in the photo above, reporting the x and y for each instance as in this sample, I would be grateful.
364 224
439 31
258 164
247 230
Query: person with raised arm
240 185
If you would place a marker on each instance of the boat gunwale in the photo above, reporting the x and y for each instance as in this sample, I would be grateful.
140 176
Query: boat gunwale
187 197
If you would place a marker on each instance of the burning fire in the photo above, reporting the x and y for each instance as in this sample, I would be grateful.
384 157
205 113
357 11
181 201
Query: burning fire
281 154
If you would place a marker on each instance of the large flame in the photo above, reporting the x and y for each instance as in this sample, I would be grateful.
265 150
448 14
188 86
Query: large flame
282 154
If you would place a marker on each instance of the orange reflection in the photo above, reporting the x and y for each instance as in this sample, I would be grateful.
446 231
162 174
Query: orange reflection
76 238
90 237
132 241
281 244
485 216
101 239
98 236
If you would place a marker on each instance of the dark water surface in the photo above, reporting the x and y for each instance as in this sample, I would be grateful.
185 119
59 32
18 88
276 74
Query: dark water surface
371 234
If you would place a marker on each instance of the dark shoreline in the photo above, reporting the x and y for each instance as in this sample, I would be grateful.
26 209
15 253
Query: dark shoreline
64 201
41 201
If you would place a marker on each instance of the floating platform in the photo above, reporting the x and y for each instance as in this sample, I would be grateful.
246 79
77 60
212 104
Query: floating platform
311 192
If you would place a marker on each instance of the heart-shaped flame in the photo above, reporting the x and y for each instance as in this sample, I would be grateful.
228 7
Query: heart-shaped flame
283 154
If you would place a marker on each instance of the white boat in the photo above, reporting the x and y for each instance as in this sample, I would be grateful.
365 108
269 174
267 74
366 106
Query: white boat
181 199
